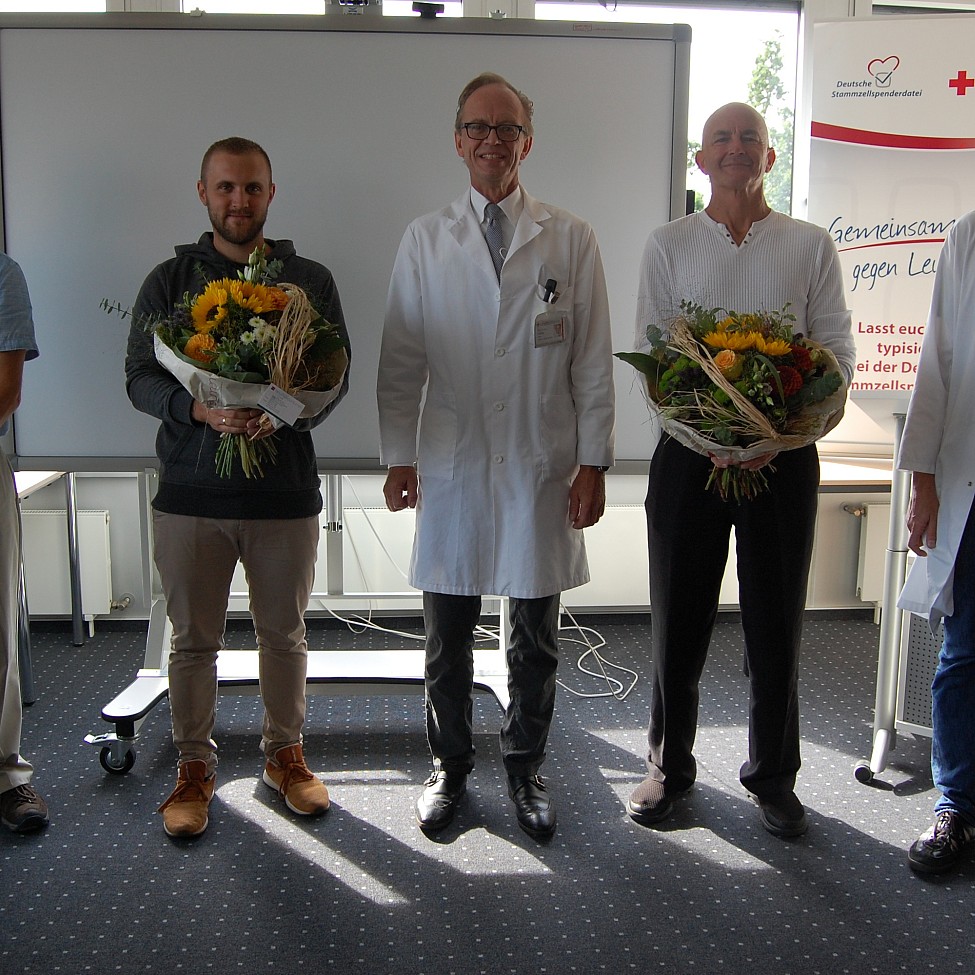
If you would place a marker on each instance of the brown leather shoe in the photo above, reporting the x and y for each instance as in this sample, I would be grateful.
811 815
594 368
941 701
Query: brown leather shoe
22 809
185 811
303 792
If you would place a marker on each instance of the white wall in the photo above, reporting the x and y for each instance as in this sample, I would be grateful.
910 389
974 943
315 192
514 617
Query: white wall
377 543
617 546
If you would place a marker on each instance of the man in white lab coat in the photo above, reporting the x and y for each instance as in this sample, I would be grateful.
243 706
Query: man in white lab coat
498 320
938 446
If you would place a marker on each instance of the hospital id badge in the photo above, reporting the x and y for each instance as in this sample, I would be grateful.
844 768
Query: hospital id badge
549 329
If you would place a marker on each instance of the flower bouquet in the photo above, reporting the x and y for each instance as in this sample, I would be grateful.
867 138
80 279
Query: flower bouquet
251 344
737 386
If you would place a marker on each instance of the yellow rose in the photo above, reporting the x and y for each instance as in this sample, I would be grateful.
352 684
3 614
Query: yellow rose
729 363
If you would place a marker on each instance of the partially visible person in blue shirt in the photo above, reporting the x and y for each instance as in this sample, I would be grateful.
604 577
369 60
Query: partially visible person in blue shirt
21 808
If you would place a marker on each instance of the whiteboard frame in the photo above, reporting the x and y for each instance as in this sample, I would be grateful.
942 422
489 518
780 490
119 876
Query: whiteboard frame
678 35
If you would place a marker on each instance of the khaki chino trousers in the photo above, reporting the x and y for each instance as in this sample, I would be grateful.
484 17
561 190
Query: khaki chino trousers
15 770
196 559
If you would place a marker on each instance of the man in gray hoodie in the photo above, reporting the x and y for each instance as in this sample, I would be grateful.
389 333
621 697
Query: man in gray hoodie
205 523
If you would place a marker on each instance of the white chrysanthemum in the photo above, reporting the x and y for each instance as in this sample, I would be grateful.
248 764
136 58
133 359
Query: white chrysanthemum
261 333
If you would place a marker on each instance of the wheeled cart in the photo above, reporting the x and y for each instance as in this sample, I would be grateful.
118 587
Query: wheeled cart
237 671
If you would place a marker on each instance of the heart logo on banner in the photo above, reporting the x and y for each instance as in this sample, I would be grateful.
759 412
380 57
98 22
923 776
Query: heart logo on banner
881 69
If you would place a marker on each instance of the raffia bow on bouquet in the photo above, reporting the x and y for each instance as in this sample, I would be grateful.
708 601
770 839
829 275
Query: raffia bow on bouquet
737 386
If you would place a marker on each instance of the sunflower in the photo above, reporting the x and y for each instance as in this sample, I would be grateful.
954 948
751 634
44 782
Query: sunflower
773 346
235 290
750 322
210 308
258 298
736 341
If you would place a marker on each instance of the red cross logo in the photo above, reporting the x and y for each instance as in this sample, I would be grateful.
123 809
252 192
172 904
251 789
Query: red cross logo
962 83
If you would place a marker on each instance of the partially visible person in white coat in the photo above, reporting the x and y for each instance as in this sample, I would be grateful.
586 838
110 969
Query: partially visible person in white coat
938 446
510 354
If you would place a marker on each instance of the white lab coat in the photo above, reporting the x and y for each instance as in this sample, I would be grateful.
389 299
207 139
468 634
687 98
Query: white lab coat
939 434
504 423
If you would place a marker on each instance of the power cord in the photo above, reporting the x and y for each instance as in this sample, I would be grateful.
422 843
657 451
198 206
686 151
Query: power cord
617 687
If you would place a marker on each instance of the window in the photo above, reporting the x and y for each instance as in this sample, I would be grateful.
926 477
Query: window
255 6
391 8
736 55
404 8
52 6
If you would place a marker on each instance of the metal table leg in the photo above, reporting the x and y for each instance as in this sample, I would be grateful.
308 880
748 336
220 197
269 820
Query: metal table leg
27 695
891 623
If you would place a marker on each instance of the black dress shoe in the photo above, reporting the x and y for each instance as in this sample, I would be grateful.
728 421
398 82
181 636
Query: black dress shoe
782 815
438 802
533 805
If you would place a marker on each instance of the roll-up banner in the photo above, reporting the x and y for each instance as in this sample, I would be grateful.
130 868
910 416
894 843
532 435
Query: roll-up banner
892 167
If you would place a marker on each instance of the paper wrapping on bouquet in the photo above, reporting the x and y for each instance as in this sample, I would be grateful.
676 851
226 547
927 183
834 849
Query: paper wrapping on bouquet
808 426
216 392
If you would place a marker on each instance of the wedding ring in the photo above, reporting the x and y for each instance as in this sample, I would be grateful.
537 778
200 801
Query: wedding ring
223 420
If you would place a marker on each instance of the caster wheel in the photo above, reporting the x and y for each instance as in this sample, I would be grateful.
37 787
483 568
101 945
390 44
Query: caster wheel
862 773
110 764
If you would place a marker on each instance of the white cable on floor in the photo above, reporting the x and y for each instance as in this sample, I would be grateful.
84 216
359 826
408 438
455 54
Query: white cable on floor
616 686
488 634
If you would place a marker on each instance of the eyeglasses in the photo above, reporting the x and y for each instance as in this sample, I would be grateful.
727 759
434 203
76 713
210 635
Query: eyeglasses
480 130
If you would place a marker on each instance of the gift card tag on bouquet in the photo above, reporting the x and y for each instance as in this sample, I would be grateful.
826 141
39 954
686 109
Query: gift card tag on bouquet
280 406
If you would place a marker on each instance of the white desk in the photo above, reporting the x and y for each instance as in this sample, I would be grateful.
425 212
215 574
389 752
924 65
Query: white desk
835 472
30 481
27 483
891 620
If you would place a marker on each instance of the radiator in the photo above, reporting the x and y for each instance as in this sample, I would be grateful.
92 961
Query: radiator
920 649
46 563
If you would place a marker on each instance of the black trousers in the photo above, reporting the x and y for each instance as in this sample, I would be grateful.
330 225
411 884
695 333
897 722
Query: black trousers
688 534
532 658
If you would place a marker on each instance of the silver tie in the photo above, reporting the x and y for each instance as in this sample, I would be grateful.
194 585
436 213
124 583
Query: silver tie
494 236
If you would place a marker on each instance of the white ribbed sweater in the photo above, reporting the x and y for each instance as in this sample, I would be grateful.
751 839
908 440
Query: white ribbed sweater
781 261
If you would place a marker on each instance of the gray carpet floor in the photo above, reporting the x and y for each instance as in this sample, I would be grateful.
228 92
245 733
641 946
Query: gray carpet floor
363 890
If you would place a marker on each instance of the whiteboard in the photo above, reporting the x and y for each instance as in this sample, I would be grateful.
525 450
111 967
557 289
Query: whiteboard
104 125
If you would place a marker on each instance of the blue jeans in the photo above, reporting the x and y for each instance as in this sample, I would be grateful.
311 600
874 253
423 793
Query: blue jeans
953 691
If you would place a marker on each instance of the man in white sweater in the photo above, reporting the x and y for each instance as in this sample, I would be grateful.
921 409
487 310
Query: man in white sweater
741 256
